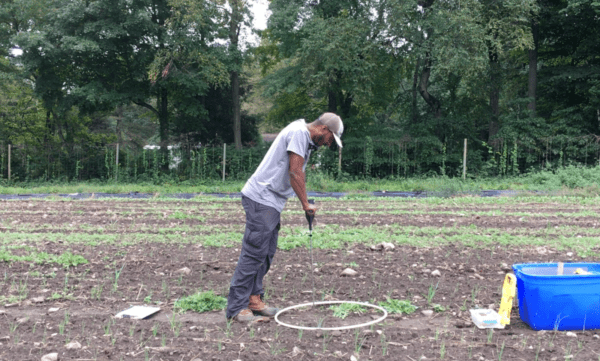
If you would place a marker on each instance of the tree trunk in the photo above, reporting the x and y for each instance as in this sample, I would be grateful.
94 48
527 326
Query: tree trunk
494 126
163 120
237 117
432 101
346 105
533 53
332 102
414 110
234 32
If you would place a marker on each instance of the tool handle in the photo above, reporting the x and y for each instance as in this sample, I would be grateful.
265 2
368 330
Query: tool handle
310 218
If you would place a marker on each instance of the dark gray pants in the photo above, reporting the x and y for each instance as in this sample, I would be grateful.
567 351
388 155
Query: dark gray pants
258 248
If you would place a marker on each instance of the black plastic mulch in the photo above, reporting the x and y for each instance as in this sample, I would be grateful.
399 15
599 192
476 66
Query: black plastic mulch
137 195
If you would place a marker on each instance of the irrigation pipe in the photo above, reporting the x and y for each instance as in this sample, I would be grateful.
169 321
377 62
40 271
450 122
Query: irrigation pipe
331 328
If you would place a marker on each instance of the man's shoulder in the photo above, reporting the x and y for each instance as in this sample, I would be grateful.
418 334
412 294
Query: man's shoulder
299 124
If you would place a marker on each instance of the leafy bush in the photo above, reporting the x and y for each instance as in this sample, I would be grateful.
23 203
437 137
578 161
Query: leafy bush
570 177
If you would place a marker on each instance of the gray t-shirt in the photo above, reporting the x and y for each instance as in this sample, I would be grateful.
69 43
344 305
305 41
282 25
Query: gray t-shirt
270 183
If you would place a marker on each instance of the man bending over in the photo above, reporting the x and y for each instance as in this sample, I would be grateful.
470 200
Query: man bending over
278 177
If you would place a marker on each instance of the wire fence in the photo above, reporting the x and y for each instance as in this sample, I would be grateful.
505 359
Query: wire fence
366 157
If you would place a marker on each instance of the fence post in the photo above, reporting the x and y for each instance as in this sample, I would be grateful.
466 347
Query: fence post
339 161
224 157
117 164
464 175
9 163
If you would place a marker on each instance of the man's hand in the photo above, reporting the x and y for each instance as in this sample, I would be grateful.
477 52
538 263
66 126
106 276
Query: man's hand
310 209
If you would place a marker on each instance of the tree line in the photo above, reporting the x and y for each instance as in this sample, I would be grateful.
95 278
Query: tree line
518 78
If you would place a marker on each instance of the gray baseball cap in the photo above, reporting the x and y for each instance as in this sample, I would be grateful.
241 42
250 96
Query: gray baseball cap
335 125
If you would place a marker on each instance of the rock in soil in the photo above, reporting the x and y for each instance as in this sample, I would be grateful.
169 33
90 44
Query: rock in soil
73 345
349 272
504 267
50 357
296 351
184 271
383 246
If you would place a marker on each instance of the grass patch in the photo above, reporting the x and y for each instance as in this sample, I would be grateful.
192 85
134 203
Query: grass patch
201 302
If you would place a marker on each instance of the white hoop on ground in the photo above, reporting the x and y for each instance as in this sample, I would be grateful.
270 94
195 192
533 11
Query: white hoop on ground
331 328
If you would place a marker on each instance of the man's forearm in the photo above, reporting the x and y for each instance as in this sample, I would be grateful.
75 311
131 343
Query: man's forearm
298 182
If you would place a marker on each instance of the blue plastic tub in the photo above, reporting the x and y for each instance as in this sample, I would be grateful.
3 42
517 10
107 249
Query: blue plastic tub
548 301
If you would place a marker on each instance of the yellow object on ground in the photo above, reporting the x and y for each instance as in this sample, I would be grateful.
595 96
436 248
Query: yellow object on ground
509 290
581 271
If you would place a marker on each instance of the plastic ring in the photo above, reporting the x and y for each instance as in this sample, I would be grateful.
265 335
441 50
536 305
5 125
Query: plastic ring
331 328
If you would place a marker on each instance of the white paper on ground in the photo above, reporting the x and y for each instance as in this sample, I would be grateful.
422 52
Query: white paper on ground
486 318
138 312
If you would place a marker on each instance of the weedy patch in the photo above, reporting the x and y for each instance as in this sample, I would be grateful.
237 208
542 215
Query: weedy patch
201 302
345 309
66 259
398 306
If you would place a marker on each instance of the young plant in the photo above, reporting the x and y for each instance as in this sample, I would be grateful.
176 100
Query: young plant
384 344
117 275
431 292
474 293
96 292
501 352
13 327
108 326
229 331
166 289
276 349
358 341
175 323
326 339
490 334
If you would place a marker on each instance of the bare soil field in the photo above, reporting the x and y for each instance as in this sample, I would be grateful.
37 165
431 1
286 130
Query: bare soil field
68 266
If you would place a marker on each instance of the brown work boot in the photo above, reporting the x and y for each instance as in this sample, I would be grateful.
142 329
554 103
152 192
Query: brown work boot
259 308
246 316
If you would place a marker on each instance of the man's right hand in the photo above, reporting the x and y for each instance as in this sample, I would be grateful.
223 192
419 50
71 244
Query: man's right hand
310 209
